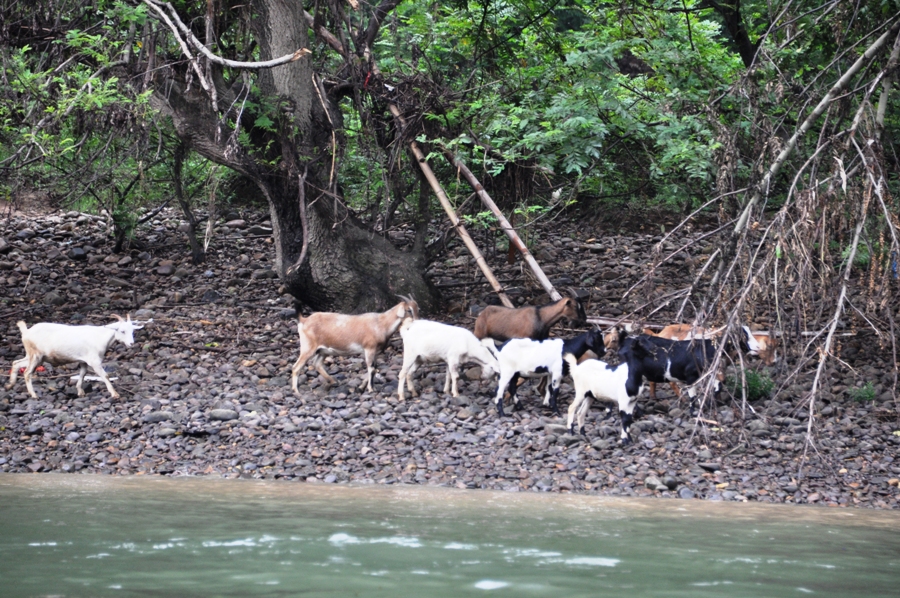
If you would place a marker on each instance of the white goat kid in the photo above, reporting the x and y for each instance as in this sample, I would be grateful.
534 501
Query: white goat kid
599 380
427 341
59 344
326 333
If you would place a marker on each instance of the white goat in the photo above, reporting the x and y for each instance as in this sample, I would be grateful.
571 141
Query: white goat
598 379
326 333
59 344
427 341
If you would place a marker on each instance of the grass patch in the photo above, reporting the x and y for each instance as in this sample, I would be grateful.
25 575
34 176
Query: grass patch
759 386
863 394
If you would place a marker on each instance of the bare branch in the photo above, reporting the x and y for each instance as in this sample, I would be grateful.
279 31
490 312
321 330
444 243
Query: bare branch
198 45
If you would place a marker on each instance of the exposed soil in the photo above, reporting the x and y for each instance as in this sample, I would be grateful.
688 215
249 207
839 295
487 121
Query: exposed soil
206 387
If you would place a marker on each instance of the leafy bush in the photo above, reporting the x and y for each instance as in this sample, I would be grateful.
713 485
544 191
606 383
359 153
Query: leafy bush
863 394
759 386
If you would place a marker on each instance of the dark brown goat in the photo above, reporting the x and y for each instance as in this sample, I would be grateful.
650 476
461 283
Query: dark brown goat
504 323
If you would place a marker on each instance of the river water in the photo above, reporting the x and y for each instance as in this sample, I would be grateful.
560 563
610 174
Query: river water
84 535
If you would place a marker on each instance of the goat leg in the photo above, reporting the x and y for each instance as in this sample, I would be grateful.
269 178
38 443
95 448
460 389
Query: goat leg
370 370
298 366
82 370
32 365
14 372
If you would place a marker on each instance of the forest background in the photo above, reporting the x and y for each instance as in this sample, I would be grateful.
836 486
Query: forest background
772 123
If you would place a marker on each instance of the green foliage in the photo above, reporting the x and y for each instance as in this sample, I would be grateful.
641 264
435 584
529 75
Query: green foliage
759 386
481 220
863 394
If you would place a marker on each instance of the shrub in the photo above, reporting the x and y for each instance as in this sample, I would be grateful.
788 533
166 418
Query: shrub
759 386
863 394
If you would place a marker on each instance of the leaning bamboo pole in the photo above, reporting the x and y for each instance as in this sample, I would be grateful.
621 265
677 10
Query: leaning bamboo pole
514 238
448 208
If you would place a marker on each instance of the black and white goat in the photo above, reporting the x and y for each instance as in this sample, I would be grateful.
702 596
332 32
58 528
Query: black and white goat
536 359
603 382
758 344
427 341
663 360
59 344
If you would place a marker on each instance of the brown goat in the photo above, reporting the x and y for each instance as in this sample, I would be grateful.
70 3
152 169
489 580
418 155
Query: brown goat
504 323
326 333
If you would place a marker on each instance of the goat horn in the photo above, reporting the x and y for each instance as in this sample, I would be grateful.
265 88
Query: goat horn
116 316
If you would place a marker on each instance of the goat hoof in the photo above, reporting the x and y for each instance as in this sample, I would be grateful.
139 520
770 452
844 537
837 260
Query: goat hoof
582 431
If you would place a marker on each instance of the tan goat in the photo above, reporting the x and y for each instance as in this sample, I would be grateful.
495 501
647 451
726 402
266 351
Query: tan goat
326 333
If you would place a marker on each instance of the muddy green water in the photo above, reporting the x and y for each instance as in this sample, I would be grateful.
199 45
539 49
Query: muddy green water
80 535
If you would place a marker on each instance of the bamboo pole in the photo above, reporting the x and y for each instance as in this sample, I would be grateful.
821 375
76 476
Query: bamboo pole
451 213
454 219
514 238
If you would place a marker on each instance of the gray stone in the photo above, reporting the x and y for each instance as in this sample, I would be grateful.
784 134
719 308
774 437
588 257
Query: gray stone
652 482
166 432
710 465
223 414
94 437
54 298
473 373
77 253
158 416
686 492
118 282
264 273
568 439
555 429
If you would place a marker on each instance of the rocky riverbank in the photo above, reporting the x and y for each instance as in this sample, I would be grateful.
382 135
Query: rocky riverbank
206 387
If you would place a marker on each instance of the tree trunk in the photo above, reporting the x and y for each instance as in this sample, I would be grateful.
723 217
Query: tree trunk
197 253
347 267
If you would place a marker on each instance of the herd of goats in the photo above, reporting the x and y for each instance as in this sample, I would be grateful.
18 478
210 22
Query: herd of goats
678 353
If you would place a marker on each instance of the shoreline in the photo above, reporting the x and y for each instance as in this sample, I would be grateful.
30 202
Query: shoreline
206 391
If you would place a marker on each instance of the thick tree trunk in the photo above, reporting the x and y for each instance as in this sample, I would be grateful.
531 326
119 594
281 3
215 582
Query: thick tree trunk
347 267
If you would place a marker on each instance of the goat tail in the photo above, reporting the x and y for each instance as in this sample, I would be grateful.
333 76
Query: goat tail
22 326
571 360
